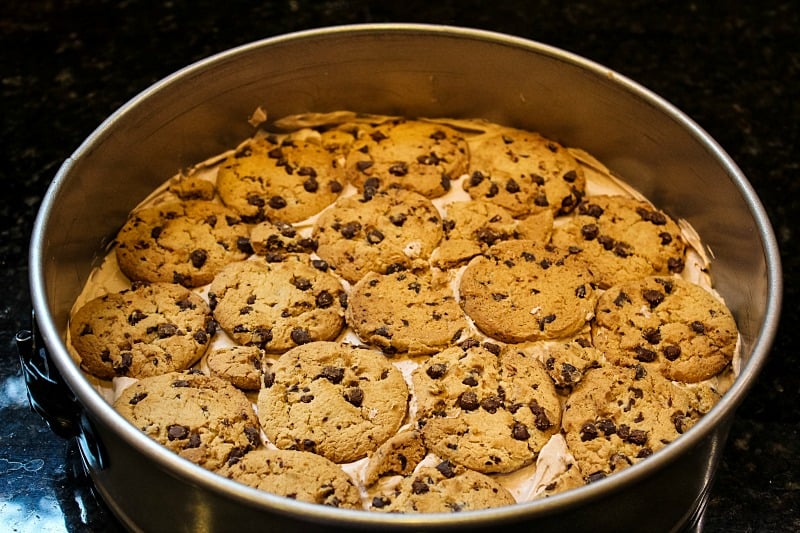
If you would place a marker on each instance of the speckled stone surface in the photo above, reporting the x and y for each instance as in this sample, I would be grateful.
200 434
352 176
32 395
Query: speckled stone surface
734 67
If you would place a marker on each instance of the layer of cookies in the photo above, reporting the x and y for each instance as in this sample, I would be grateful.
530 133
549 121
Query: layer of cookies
507 301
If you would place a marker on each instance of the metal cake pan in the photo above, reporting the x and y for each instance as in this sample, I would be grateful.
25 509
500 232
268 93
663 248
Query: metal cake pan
412 70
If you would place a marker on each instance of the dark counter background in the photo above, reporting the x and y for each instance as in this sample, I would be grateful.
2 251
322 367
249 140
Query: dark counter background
734 67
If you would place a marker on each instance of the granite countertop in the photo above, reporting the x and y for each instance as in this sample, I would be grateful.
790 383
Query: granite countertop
734 67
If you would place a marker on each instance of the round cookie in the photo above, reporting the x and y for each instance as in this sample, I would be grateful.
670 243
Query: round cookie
382 232
420 156
332 399
181 242
618 416
277 306
151 329
471 227
201 418
667 324
486 412
240 365
523 291
445 488
524 172
623 238
287 180
398 456
405 312
302 476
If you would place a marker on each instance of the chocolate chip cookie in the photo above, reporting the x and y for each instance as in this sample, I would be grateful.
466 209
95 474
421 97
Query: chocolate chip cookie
667 324
277 306
286 180
618 416
201 418
382 232
405 312
412 154
490 413
301 476
624 239
445 488
523 291
151 329
181 242
332 399
524 172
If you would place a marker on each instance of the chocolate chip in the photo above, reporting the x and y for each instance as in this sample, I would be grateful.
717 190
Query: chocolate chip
469 343
334 374
167 330
155 233
307 398
200 337
350 230
277 202
324 300
269 379
354 396
383 331
335 186
596 476
198 258
491 404
320 264
261 336
126 360
301 336
363 165
244 246
476 178
671 352
395 268
541 200
398 169
256 201
398 219
493 190
447 469
675 264
570 176
590 231
512 186
302 284
520 431
580 291
468 401
607 426
133 318
470 381
653 297
570 374
138 397
436 370
542 422
374 236
418 486
379 502
644 355
592 210
177 432
588 432
621 299
311 185
651 335
492 348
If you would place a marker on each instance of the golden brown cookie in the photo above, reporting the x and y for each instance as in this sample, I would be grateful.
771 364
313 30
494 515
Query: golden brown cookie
383 232
522 291
490 413
201 418
240 365
667 324
524 172
151 329
333 399
445 488
619 416
277 306
405 312
623 238
301 476
471 227
416 155
287 180
181 242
